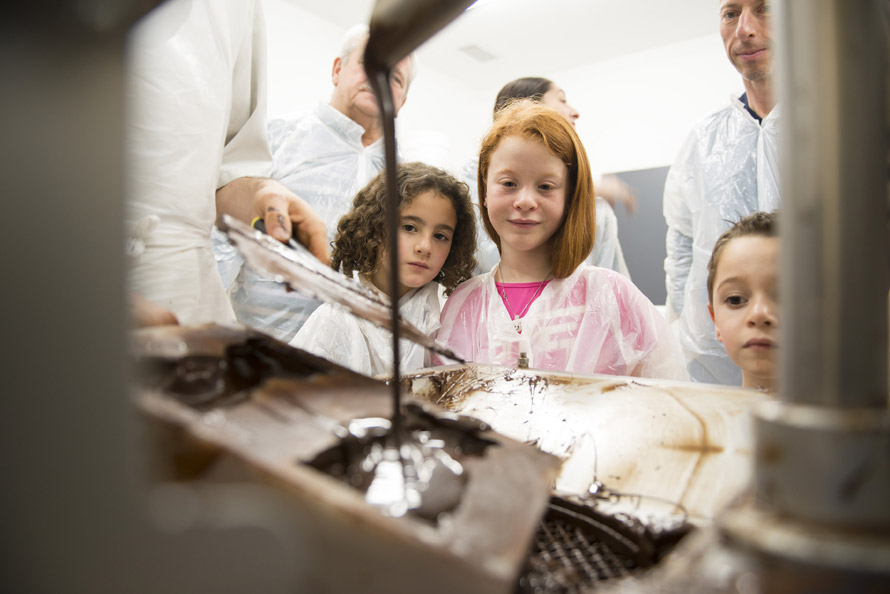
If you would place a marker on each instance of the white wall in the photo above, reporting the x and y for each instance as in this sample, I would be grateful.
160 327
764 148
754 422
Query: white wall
301 51
635 110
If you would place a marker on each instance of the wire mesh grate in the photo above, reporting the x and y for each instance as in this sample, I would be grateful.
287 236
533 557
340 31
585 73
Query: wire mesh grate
577 547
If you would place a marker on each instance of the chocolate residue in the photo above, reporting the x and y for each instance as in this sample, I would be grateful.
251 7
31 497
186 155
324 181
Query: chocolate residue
430 479
205 382
452 388
609 387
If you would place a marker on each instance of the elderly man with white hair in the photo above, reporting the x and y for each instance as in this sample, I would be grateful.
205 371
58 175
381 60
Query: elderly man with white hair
325 157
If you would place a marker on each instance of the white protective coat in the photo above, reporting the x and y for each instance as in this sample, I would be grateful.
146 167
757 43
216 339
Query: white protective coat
320 157
594 321
727 169
196 98
340 337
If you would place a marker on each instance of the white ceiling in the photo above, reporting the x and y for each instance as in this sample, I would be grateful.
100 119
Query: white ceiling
540 37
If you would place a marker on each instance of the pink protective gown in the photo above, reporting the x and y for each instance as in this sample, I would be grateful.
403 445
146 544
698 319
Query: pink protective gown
594 321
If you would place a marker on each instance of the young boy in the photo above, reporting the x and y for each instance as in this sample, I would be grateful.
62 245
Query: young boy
742 297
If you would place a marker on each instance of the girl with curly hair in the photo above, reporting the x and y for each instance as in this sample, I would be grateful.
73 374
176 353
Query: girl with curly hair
542 306
437 240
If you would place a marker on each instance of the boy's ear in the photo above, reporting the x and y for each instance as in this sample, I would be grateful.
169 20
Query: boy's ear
716 328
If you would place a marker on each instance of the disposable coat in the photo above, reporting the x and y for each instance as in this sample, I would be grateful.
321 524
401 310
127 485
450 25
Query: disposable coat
594 321
195 92
726 169
338 336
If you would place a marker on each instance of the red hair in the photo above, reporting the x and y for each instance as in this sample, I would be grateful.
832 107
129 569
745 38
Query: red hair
573 240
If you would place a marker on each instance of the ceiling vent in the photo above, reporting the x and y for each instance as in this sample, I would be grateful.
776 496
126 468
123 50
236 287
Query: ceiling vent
476 52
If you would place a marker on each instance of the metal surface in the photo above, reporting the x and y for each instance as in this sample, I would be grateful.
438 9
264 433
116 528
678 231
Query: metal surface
834 262
302 271
398 27
835 272
74 504
285 422
645 448
825 466
577 548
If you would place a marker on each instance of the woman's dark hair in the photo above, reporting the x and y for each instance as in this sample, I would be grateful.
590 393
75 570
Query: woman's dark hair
529 87
361 233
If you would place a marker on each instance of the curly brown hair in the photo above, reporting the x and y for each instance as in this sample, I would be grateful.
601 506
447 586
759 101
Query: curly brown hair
361 233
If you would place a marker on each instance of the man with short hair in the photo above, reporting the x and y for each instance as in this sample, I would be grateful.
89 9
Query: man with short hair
726 169
325 157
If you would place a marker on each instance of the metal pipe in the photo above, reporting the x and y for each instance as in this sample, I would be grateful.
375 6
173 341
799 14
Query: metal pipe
834 263
398 27
821 454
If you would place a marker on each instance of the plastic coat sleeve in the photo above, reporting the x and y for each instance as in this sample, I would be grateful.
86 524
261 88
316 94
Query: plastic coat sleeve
195 91
340 337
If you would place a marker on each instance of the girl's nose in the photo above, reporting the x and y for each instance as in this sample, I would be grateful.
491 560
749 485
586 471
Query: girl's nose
422 246
526 199
763 312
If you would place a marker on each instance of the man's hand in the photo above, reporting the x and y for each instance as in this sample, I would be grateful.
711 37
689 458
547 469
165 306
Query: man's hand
282 211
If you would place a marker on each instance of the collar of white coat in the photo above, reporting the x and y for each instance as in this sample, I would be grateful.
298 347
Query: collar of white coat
428 288
348 129
420 306
770 120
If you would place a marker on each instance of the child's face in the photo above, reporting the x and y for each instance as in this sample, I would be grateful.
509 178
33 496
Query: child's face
525 195
426 230
745 309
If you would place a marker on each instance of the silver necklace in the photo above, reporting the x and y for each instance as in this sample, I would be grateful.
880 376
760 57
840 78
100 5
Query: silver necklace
517 319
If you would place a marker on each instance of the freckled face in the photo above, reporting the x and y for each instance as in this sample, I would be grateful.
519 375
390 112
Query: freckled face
745 307
426 231
525 195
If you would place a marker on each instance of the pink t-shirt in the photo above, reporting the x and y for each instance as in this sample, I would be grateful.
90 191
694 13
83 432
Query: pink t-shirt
518 297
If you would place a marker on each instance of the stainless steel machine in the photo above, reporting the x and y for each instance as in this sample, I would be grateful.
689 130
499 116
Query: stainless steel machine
79 514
